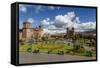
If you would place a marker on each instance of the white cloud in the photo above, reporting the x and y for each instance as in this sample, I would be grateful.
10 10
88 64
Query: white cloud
76 20
64 20
22 8
52 27
70 20
61 22
31 20
70 15
45 21
48 19
51 7
48 31
38 8
58 8
53 31
87 25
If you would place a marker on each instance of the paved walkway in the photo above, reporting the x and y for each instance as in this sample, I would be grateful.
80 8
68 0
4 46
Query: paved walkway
25 57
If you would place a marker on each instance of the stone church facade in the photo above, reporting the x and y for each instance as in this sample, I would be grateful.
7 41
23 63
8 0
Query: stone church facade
27 33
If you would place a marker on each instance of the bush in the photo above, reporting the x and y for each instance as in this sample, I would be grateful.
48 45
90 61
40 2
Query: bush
36 51
44 38
29 50
88 53
21 42
72 53
68 51
60 52
76 48
49 51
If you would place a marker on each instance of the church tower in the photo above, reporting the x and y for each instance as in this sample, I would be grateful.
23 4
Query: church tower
26 24
27 31
70 32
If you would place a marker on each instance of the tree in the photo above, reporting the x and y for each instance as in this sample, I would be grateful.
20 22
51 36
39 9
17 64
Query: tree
88 53
40 26
29 50
74 39
21 42
76 47
93 42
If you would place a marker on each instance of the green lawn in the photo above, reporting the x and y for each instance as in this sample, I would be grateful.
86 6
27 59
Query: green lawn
45 47
55 49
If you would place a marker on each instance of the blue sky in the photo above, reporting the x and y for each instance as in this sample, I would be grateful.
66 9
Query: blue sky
57 17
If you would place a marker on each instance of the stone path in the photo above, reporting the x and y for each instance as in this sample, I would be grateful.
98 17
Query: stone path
25 57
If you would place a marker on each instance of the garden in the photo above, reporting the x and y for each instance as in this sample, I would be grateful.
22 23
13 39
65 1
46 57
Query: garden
58 48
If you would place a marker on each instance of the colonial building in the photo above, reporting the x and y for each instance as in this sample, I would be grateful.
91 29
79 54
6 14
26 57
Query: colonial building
69 32
27 33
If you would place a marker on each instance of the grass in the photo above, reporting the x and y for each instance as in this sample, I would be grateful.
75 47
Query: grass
53 48
45 47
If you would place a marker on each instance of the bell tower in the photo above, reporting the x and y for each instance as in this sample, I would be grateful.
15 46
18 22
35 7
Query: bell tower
70 32
27 31
26 24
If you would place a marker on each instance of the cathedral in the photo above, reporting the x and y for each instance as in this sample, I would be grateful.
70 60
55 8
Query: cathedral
70 32
27 32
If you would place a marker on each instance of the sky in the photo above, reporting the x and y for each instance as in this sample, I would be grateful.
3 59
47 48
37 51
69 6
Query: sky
55 19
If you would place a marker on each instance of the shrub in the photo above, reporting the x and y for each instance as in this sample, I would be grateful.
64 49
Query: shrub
36 51
21 42
88 53
68 51
29 50
44 38
49 51
76 48
60 52
72 53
